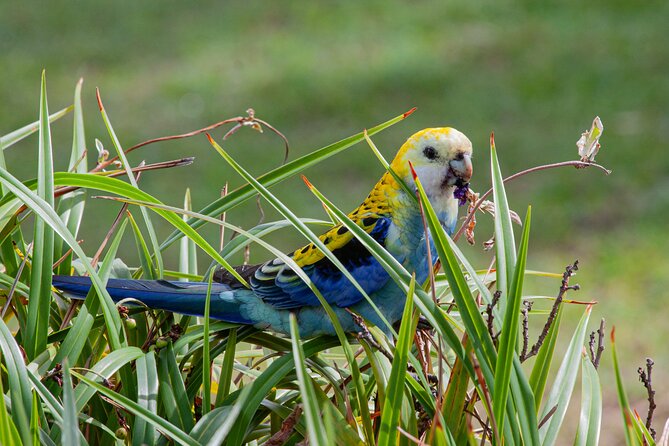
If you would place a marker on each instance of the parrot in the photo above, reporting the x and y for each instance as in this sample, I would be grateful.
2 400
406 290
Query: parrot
442 160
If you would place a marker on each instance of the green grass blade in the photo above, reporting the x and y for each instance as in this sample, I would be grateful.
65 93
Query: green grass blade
147 398
173 391
70 434
214 427
39 302
509 336
591 405
643 434
131 177
625 409
456 396
227 368
269 379
280 174
17 378
8 432
34 422
164 426
17 135
390 416
105 368
523 405
505 245
563 386
312 413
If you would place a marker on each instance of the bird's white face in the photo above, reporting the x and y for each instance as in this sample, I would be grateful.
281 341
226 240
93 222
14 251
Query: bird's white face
441 158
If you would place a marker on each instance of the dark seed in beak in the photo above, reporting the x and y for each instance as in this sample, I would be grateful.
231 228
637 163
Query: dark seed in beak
460 192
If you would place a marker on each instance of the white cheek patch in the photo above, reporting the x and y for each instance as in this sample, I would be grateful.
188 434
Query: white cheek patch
432 179
441 198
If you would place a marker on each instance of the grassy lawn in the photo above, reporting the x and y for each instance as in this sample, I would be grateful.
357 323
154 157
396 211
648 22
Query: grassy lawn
536 74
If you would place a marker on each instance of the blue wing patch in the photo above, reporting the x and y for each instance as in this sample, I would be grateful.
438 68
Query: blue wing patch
280 287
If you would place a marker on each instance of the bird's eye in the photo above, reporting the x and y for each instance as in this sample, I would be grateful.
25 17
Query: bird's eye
430 152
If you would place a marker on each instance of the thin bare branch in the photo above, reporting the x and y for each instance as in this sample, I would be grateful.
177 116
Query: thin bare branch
527 307
646 378
474 208
570 270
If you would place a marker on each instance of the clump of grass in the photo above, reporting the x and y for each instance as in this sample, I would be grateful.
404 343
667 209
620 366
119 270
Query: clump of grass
97 372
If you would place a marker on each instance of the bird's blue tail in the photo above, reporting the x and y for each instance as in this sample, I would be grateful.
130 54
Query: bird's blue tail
180 297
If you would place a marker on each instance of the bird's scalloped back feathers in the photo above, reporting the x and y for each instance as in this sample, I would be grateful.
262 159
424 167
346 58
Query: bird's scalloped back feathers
281 288
224 276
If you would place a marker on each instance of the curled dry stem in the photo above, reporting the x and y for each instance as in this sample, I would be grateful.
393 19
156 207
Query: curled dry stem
481 199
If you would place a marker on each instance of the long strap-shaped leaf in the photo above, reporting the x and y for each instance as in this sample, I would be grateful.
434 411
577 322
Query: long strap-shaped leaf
115 186
147 391
70 433
39 303
509 337
131 406
315 426
563 386
591 405
390 416
17 135
17 376
505 245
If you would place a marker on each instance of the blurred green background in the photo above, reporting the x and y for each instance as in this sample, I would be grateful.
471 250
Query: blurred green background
534 72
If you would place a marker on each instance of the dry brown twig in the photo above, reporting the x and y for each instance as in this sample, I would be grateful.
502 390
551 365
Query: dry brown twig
287 428
490 317
646 378
570 270
250 120
527 307
595 356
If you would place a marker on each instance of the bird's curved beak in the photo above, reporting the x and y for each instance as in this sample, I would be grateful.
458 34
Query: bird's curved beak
462 169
